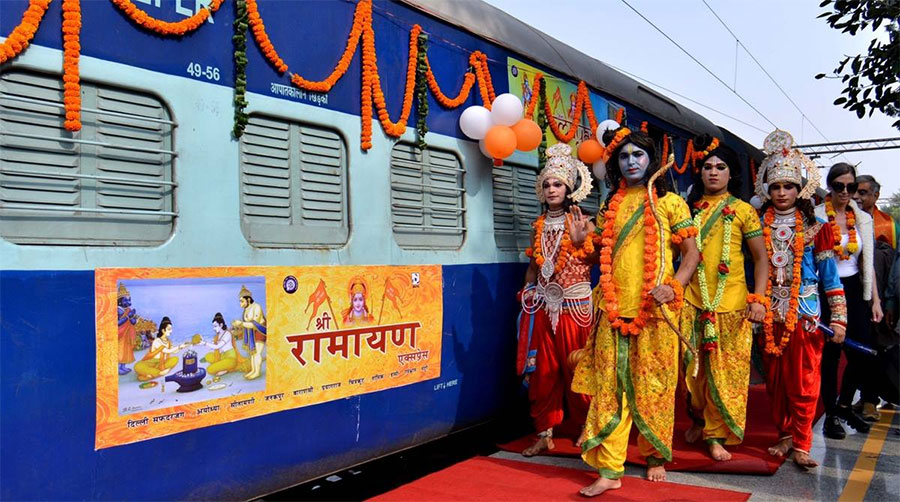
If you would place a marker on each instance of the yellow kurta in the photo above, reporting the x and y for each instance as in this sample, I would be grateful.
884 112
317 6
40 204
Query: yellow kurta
719 392
640 371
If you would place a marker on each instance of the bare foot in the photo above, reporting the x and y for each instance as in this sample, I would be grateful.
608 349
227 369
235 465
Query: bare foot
581 438
656 473
543 443
601 485
802 459
781 448
693 434
719 452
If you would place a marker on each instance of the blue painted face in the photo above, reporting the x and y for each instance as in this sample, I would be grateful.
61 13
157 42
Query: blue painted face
125 301
633 162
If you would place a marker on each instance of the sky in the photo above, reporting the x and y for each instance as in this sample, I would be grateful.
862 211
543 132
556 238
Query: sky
784 36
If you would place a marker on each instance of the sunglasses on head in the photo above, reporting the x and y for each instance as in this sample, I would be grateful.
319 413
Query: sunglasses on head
837 186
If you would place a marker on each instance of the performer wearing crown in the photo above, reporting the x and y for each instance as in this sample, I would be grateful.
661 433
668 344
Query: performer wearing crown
800 250
630 363
718 309
556 301
254 326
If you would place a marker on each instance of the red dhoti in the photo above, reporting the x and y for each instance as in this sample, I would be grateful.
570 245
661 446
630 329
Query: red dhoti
550 383
792 382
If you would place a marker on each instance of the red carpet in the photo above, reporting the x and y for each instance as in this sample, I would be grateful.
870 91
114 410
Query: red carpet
483 478
750 457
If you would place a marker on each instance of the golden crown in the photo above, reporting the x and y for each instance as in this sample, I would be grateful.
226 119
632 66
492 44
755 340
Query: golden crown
244 292
123 291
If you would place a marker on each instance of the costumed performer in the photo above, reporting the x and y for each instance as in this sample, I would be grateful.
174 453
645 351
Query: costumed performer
718 310
800 248
556 301
630 363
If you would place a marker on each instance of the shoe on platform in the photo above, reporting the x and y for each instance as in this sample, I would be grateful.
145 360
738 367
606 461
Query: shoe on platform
870 413
853 420
833 428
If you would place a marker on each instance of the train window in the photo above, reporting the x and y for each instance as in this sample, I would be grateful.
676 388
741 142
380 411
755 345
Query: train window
515 205
108 185
293 184
426 197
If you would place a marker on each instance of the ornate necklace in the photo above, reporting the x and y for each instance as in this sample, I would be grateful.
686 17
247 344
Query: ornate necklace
852 246
708 315
778 234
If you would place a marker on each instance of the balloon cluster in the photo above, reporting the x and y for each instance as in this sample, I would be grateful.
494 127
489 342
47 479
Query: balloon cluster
501 130
593 151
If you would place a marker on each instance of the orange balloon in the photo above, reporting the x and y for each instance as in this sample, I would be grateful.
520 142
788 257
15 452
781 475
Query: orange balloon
500 141
590 151
528 135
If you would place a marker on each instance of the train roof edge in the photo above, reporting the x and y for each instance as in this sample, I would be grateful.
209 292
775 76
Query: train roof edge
492 23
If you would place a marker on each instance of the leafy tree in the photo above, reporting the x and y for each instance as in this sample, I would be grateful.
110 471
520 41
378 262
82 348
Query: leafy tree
893 206
870 79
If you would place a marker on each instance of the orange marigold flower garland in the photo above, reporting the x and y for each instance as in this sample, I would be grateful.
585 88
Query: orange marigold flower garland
362 27
566 248
790 321
580 98
852 246
179 28
19 38
262 38
71 28
443 99
395 129
535 94
607 281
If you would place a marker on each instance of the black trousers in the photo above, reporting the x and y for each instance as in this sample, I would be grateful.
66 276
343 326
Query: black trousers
860 373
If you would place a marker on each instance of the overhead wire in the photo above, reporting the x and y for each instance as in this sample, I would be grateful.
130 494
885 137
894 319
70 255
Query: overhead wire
657 28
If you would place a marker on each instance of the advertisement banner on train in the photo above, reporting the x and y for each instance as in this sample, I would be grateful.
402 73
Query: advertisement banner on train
185 348
561 96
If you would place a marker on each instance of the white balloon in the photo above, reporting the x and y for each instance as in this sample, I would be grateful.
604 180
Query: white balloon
599 169
606 125
507 109
484 149
475 122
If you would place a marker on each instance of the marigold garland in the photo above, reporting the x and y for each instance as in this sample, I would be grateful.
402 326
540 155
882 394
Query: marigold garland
20 36
479 62
664 157
362 28
758 299
688 155
790 321
443 99
178 28
532 102
71 29
607 281
262 38
582 103
852 246
566 248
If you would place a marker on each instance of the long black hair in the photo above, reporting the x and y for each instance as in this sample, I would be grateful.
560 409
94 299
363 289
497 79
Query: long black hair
614 174
218 319
162 326
728 156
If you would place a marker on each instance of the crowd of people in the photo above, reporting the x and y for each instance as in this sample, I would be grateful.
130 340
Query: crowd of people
690 288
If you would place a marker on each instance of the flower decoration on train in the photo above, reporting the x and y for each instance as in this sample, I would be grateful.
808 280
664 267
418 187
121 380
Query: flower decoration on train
594 151
19 38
